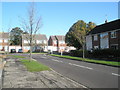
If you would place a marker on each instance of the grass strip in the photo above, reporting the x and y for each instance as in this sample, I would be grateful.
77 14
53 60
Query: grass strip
16 56
89 60
34 66
40 53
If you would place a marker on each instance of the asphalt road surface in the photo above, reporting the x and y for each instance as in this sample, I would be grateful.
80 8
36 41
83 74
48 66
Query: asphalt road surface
88 74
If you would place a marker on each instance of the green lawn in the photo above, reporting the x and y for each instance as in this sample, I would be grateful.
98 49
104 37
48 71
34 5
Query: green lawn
34 66
16 56
89 60
39 53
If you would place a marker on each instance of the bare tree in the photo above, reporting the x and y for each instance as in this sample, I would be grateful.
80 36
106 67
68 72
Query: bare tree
31 25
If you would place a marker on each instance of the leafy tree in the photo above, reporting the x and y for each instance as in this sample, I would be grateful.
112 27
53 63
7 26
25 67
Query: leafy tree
16 36
76 34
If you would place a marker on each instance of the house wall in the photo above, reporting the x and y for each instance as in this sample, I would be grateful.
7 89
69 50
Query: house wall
15 47
4 44
89 42
104 40
52 48
96 43
50 42
119 39
114 41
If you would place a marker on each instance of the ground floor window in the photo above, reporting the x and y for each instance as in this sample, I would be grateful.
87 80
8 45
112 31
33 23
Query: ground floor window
114 46
96 47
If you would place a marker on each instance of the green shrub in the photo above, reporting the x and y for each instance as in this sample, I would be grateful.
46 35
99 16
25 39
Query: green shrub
79 53
106 53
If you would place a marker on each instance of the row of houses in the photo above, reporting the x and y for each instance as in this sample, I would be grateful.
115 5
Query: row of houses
103 36
40 43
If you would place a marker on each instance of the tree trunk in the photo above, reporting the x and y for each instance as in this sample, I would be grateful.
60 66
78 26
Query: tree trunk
30 52
83 50
30 47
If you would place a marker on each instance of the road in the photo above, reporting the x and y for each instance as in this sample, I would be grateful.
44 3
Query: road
88 74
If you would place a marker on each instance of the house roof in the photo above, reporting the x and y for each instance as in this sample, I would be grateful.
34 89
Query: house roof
37 37
4 35
113 25
53 37
60 37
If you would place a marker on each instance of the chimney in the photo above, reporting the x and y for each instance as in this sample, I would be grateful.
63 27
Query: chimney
106 21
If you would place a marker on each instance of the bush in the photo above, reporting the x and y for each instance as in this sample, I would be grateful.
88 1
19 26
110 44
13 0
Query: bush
106 53
79 53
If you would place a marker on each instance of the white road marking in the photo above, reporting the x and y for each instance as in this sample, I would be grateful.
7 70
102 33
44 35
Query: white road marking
43 57
57 60
81 66
115 74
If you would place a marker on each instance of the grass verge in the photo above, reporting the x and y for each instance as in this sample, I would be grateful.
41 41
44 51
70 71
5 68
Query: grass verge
39 53
89 60
16 56
34 66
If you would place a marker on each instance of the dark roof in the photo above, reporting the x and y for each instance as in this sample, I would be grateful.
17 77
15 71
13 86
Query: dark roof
109 26
37 37
4 35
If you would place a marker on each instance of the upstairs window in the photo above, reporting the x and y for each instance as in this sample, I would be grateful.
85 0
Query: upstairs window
95 37
113 34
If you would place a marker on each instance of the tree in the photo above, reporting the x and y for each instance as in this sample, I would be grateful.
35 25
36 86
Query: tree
76 34
16 36
32 25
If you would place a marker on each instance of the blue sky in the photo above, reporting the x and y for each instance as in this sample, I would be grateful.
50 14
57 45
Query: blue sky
58 17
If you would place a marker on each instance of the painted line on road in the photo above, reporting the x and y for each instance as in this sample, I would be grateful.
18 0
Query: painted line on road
43 57
81 66
115 74
57 60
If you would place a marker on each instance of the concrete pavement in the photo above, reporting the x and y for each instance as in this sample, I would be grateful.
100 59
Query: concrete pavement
17 76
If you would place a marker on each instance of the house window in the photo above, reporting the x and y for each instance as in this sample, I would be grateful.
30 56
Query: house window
114 46
96 47
95 37
113 34
5 40
55 42
45 42
0 40
26 41
39 41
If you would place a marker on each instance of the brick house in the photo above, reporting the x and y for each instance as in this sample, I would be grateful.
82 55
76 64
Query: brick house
104 36
39 42
4 38
57 43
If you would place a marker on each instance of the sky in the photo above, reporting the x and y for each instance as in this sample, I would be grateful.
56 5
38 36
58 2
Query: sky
58 17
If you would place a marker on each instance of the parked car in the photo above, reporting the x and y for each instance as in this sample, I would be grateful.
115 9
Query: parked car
20 51
13 51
